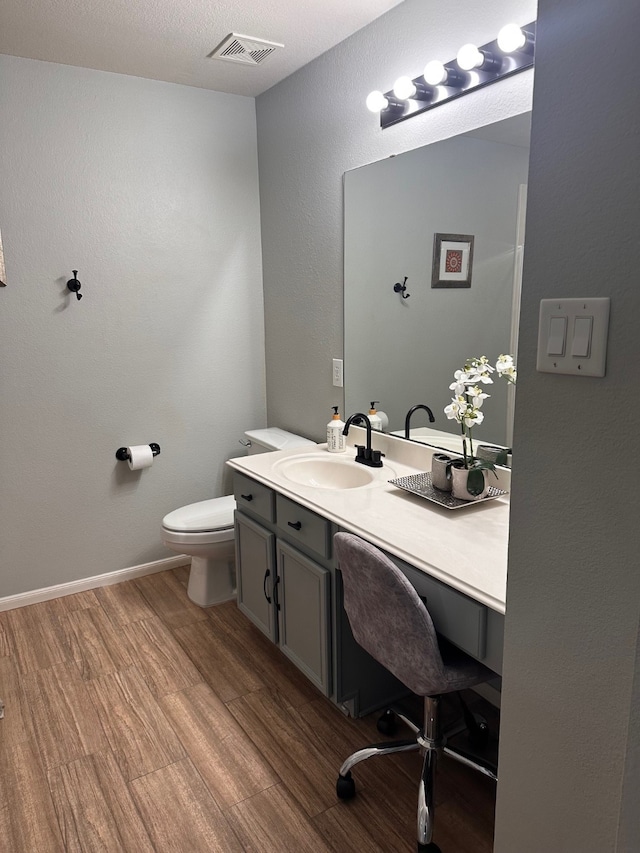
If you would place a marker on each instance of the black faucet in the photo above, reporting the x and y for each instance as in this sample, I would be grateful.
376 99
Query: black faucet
365 455
413 409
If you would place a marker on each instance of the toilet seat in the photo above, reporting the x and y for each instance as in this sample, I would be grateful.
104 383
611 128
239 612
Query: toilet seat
189 542
204 517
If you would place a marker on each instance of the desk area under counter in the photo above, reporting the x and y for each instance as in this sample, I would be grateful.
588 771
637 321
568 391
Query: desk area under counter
287 579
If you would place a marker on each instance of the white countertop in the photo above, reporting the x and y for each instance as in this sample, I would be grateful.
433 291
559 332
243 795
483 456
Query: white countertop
465 548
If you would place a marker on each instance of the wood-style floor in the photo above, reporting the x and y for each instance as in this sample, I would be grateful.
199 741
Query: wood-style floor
136 721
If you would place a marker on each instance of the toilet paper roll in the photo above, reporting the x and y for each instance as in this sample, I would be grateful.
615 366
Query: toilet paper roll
140 456
384 420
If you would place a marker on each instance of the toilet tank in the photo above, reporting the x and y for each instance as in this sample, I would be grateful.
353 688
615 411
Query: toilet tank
273 438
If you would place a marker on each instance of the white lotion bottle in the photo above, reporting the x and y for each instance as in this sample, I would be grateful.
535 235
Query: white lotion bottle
336 440
376 422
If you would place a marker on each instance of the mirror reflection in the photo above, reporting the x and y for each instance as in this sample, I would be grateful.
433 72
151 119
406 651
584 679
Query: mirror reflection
408 221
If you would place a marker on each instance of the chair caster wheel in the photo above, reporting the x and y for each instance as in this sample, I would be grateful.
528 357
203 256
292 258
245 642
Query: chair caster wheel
479 734
345 787
428 848
387 723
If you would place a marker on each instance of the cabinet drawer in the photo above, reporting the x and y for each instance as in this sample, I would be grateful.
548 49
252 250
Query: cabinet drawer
303 526
253 497
457 617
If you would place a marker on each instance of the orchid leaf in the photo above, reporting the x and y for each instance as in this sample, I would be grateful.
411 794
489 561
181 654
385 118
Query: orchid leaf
483 465
475 481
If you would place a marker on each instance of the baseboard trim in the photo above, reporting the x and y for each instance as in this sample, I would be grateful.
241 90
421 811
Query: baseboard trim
22 599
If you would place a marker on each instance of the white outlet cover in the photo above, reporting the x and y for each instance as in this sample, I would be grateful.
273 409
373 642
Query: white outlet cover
338 376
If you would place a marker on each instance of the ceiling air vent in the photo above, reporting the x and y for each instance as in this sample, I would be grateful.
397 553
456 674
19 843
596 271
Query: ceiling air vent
245 49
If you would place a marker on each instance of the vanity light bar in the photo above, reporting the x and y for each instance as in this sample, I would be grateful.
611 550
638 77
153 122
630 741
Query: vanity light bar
474 67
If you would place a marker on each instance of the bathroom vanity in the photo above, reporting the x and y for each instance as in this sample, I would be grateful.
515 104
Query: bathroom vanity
289 505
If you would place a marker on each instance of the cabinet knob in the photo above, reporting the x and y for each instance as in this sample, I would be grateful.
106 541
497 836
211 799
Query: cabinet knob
247 497
295 524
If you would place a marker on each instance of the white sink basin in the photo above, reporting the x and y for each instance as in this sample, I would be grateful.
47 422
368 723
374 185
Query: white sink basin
328 472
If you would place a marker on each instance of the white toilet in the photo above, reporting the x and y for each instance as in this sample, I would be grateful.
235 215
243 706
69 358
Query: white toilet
204 530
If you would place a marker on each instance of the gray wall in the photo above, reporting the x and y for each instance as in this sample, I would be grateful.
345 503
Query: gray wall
404 351
312 128
572 610
150 190
574 588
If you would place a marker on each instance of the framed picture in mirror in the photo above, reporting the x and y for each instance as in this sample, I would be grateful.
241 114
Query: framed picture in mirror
452 260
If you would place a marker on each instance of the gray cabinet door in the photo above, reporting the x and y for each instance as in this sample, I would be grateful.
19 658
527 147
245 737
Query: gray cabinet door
255 572
303 617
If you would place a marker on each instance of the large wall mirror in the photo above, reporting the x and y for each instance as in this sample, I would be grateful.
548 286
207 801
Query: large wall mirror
403 351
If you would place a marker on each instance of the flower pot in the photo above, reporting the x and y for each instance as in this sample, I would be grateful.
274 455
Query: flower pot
497 455
441 472
460 486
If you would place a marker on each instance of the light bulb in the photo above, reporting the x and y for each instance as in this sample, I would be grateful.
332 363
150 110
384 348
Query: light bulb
469 57
511 38
376 101
435 73
404 88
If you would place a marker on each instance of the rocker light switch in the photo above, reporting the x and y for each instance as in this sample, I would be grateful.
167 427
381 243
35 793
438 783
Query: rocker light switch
582 337
557 335
572 336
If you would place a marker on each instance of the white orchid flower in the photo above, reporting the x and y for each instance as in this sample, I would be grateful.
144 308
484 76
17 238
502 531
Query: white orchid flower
481 364
481 369
504 362
473 417
484 378
476 396
451 411
456 408
476 376
468 397
461 380
506 368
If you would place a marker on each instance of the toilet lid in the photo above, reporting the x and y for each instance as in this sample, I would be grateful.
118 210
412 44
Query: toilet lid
215 514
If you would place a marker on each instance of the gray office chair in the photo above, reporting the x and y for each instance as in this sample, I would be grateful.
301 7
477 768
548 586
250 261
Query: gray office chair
390 621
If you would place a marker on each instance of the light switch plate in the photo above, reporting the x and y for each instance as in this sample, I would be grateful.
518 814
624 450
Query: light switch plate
581 317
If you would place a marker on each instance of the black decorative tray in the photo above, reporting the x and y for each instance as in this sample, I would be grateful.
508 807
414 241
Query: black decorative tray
420 484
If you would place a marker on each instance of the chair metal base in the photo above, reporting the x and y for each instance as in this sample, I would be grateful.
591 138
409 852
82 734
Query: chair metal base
431 741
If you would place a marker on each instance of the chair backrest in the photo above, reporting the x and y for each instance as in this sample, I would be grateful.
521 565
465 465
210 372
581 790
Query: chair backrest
387 617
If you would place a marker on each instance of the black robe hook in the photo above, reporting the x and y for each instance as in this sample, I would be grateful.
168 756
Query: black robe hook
400 288
74 285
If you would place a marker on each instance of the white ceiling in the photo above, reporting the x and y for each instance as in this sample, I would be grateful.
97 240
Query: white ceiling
170 39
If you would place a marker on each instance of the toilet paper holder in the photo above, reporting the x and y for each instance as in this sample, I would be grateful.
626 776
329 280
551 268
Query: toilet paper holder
122 453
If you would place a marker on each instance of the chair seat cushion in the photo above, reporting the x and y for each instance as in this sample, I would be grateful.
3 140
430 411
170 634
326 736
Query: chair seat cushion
461 671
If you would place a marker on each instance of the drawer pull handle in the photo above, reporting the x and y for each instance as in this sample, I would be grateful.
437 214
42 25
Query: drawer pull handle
295 524
267 574
275 592
247 497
